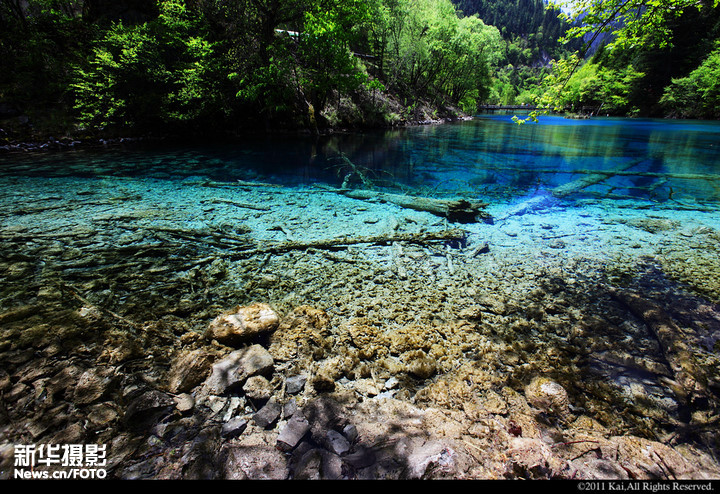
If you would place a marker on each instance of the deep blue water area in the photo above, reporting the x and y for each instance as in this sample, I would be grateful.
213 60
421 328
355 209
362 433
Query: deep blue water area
489 157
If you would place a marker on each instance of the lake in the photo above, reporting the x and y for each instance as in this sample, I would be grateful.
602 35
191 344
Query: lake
574 304
490 156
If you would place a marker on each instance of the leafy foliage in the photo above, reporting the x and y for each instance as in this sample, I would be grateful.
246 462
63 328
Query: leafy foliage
197 66
632 22
641 48
698 94
597 89
151 74
38 42
428 51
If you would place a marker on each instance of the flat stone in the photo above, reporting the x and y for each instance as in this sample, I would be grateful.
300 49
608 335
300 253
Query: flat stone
243 324
293 432
102 414
268 414
236 368
234 427
337 443
147 407
184 402
295 384
189 370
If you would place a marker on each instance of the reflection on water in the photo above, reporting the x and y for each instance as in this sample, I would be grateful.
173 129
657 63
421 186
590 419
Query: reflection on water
489 157
645 159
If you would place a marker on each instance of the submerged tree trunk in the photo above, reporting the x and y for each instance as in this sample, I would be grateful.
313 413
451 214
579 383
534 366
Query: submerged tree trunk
692 382
590 180
338 242
455 210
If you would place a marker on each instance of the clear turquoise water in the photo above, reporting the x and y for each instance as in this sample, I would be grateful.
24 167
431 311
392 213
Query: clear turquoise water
492 155
134 230
489 157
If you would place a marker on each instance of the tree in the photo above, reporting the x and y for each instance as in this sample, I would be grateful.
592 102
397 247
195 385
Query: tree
642 43
325 55
475 49
698 94
434 52
631 22
40 40
597 88
155 73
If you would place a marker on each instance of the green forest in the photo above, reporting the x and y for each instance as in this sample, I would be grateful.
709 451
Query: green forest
88 68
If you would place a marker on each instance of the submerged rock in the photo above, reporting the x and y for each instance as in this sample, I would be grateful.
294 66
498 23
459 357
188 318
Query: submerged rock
421 366
184 402
268 414
234 427
243 324
548 396
189 370
293 431
147 408
92 385
237 367
530 458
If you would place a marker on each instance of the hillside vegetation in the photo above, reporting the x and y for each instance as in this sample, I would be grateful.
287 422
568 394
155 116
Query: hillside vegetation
219 67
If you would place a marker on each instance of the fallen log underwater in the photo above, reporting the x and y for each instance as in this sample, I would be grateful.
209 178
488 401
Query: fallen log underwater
455 210
337 242
691 380
614 172
591 179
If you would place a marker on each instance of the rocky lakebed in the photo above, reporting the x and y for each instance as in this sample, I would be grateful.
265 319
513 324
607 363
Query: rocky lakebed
248 330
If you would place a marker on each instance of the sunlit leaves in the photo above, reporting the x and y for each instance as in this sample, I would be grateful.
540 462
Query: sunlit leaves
434 52
698 94
632 22
154 72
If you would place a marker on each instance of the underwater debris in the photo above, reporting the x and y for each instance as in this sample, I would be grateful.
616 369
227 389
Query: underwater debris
592 179
246 205
455 210
421 238
691 379
538 202
350 171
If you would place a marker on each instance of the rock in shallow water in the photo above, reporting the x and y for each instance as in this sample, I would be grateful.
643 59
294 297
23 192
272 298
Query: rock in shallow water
236 368
243 324
189 370
293 431
147 408
548 396
92 385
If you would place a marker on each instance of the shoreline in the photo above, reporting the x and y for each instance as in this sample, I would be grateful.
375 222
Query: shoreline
72 140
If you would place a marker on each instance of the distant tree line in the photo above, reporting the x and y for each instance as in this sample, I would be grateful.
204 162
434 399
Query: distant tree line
199 67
